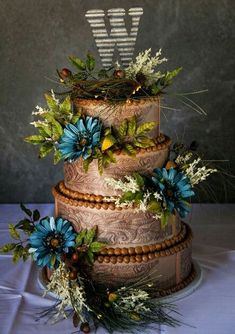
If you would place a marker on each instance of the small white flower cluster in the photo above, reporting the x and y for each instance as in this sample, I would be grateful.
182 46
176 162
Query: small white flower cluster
157 196
40 111
143 206
66 290
132 300
37 124
57 101
145 64
183 159
197 174
129 184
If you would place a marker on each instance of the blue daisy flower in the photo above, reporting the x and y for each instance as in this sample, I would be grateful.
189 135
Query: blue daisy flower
49 240
80 139
174 187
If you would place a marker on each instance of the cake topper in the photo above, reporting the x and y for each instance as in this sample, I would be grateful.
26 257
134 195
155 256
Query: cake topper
118 36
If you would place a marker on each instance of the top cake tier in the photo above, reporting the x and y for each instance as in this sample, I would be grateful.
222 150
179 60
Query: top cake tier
145 110
146 159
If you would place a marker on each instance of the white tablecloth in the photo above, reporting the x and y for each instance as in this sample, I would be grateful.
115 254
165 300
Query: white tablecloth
210 309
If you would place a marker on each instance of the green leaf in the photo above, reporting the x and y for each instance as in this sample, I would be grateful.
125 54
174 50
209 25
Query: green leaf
36 215
107 131
45 150
139 179
7 248
77 62
90 256
52 104
164 218
75 118
122 129
167 79
131 126
102 74
66 105
13 232
111 156
27 211
96 246
86 163
156 88
154 206
90 235
129 149
106 160
26 226
90 62
35 139
45 130
57 130
16 256
53 260
56 127
100 165
145 127
80 237
57 156
144 142
127 196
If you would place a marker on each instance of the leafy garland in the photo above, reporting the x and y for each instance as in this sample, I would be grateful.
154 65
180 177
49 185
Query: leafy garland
139 80
53 243
166 190
56 126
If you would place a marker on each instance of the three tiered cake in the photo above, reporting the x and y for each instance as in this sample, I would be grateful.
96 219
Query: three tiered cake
136 241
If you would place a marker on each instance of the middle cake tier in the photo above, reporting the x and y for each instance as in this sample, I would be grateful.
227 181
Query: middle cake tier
79 184
118 227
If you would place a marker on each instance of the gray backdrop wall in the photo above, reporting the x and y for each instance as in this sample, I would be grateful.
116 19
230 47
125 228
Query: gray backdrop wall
38 35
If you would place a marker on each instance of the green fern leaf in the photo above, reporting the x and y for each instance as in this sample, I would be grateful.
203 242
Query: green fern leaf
131 126
145 127
122 129
129 149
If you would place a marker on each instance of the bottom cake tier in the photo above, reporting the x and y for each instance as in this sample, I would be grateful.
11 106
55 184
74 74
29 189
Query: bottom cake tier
170 267
165 256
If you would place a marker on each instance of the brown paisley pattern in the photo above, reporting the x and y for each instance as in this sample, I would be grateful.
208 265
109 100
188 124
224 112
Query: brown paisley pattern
185 262
163 269
118 228
145 110
93 183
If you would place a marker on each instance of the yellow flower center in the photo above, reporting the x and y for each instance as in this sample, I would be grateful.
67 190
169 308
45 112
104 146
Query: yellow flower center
55 242
83 142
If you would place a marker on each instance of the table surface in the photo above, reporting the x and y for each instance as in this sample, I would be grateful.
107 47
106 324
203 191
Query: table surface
209 310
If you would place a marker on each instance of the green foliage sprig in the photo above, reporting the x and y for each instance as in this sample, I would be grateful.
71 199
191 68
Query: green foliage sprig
127 137
20 248
86 244
115 83
51 127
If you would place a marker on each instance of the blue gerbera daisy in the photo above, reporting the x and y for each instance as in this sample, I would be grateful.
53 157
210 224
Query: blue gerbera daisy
174 187
50 239
80 139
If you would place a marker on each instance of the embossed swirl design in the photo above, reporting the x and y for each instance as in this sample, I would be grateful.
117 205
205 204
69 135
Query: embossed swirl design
93 183
119 228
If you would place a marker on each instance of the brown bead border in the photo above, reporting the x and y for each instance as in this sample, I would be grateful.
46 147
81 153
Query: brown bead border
74 202
140 256
146 249
180 286
79 196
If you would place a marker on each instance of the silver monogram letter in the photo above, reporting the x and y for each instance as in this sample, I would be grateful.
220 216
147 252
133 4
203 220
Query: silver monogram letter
118 36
